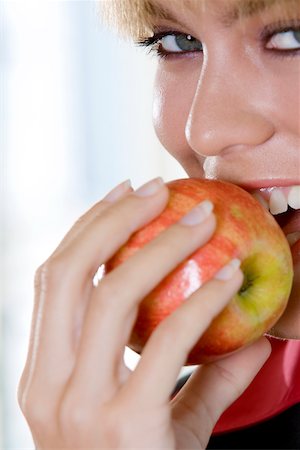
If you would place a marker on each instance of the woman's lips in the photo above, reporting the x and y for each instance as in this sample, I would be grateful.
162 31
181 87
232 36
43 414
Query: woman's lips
252 185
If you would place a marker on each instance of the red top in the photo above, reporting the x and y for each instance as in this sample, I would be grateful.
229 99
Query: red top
275 388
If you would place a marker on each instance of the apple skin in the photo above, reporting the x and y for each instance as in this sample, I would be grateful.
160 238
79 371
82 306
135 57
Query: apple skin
245 230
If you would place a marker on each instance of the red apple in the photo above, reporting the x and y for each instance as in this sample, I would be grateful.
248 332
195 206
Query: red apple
245 230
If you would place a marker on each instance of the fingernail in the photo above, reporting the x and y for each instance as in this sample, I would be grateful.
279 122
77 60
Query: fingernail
150 188
118 191
198 214
229 270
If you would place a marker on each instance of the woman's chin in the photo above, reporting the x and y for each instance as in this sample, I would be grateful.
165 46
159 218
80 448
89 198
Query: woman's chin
288 326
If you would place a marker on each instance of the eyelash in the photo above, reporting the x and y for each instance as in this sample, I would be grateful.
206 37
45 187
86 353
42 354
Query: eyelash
152 43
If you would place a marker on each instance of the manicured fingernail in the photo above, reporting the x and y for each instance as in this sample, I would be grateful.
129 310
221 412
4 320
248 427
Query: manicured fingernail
229 270
198 214
118 191
150 188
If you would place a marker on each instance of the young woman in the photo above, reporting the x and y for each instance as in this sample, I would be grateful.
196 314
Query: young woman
226 105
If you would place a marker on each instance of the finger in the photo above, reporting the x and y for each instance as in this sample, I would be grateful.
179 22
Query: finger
115 194
214 387
63 286
116 307
161 362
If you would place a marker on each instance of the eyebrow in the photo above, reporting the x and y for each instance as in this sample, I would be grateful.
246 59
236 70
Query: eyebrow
245 9
241 9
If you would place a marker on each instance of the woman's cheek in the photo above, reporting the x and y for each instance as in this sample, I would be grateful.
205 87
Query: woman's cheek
174 91
170 111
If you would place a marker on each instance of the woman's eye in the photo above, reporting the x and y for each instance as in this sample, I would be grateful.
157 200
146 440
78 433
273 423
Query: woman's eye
179 43
287 40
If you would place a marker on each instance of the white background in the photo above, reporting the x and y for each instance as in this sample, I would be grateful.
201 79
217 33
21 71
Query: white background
75 121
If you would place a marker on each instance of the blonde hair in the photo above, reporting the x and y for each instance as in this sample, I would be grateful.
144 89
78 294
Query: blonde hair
130 18
134 19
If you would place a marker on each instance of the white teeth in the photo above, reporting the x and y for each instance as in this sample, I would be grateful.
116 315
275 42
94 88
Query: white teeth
279 199
261 200
294 197
293 237
278 203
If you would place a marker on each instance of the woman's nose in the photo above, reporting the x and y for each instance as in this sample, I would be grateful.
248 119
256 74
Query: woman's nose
227 111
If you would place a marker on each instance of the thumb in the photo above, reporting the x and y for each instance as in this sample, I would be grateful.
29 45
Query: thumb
214 387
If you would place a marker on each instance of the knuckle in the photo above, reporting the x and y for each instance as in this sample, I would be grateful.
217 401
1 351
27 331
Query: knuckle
135 211
74 416
112 430
92 214
229 378
119 218
80 420
81 221
43 275
164 336
36 413
115 424
108 288
20 392
48 273
38 277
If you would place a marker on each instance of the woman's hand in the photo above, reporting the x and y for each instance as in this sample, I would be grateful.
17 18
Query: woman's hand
75 390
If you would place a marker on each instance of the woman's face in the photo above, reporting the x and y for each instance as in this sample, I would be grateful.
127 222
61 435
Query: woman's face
227 101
